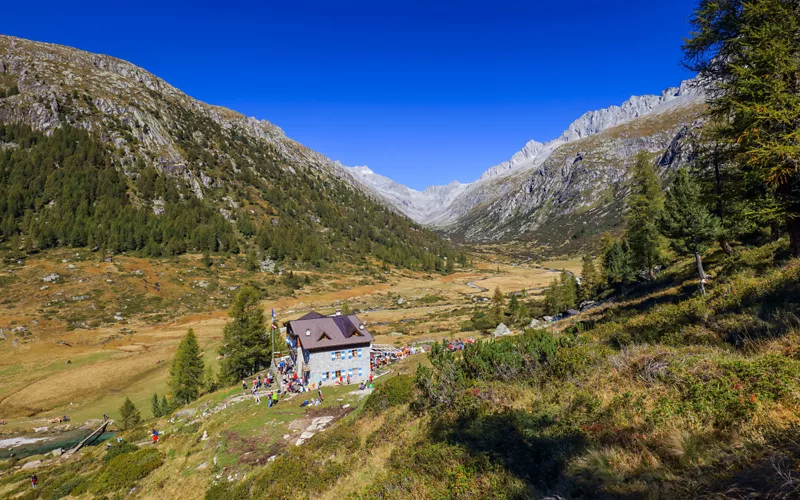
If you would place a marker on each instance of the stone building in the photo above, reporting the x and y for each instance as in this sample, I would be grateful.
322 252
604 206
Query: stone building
325 348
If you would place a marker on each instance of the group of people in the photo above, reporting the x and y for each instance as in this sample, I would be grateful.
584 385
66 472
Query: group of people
458 344
383 358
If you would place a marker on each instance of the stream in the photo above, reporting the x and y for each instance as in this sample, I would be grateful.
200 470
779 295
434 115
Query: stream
26 445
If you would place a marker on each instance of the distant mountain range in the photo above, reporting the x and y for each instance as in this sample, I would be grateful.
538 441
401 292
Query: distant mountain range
513 199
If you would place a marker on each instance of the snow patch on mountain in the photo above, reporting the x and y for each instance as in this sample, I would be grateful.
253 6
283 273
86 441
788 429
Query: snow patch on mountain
421 206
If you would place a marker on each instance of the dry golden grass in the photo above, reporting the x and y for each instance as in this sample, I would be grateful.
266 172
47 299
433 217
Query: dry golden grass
36 383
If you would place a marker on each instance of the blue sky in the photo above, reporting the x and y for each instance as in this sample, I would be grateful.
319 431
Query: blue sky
421 91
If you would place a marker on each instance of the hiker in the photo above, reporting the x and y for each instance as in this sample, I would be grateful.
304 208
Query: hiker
34 480
258 398
362 386
269 399
304 404
244 385
319 393
348 379
155 436
274 398
370 378
105 417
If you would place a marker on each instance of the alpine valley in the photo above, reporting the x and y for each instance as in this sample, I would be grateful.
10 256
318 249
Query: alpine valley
560 193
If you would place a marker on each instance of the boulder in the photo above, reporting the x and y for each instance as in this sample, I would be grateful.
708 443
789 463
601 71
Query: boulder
502 330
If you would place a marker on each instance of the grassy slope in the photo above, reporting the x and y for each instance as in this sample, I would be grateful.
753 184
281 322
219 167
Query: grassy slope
657 400
659 395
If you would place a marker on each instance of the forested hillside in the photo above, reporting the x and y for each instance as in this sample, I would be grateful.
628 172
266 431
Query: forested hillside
123 162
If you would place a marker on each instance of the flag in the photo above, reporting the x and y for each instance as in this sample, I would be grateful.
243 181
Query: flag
274 321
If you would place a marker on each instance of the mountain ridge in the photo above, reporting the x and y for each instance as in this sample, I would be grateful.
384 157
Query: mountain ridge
184 175
431 205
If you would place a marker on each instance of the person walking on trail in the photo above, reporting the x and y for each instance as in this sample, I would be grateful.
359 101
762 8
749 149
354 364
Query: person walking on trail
258 398
155 436
274 398
34 480
244 386
319 393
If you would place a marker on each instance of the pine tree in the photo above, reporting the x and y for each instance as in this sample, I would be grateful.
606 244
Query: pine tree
569 290
687 221
588 286
209 379
749 50
187 370
498 306
245 344
130 415
166 408
644 208
617 265
154 405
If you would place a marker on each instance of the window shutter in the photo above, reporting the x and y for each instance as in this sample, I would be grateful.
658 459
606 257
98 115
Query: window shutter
324 375
359 353
351 372
360 372
333 355
350 354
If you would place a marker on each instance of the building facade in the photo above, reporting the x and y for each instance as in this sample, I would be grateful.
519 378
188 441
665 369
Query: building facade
329 349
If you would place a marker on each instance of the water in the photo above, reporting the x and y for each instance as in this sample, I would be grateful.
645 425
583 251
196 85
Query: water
37 444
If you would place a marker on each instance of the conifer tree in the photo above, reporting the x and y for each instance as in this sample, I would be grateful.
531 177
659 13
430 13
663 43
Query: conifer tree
645 205
498 306
749 51
588 286
154 405
130 415
187 370
166 408
617 265
245 344
209 379
687 221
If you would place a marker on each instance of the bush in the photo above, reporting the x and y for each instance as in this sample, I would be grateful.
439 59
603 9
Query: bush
119 449
123 471
397 390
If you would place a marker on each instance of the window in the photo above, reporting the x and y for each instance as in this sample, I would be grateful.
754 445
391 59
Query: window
338 354
354 353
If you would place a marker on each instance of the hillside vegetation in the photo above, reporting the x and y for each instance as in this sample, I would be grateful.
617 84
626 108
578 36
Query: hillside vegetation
126 162
661 394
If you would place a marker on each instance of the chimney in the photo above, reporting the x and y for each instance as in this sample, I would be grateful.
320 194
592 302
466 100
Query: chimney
338 312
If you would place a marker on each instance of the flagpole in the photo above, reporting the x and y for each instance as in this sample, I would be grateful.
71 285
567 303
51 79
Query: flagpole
272 338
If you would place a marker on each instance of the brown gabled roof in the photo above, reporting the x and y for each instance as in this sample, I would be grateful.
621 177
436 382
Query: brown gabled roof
329 332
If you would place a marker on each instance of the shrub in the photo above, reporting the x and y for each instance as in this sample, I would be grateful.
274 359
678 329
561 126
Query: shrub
123 471
119 449
397 390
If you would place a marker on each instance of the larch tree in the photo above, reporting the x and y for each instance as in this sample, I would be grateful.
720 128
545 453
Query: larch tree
687 221
246 344
155 407
645 204
186 373
617 265
130 414
748 54
498 306
588 287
